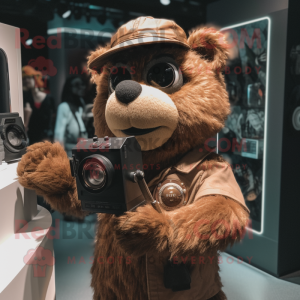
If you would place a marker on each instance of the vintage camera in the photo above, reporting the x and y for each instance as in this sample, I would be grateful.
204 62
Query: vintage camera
105 170
13 136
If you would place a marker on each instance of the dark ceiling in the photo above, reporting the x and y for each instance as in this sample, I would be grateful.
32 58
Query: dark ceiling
32 15
185 12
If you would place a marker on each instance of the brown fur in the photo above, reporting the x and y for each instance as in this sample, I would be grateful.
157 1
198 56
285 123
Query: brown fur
209 43
117 281
148 231
203 106
46 169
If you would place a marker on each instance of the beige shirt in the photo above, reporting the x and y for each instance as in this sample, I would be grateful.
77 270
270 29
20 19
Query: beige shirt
202 179
211 177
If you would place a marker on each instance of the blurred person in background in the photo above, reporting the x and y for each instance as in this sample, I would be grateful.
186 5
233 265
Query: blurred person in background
69 125
39 107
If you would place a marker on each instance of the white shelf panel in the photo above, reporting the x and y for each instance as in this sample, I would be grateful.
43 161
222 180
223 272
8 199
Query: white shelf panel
16 272
18 278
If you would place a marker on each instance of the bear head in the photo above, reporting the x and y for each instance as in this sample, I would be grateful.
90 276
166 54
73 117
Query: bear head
171 98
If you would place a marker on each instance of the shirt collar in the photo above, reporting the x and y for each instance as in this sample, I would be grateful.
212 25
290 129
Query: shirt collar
192 159
186 164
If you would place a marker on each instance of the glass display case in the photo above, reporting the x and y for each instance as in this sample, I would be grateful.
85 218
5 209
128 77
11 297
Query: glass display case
241 142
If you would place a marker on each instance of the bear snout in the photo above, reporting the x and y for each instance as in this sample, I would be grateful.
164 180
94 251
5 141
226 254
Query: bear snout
142 109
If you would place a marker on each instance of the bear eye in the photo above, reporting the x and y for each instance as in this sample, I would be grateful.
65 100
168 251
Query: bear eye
161 74
117 75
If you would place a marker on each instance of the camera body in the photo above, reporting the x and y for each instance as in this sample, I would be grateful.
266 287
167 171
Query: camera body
13 136
104 168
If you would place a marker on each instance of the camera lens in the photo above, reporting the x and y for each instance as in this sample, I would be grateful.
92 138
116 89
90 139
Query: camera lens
94 175
14 138
96 172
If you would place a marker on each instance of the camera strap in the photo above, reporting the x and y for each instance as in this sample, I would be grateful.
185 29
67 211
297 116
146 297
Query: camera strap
177 276
139 177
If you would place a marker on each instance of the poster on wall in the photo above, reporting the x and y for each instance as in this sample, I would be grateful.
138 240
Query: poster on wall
241 141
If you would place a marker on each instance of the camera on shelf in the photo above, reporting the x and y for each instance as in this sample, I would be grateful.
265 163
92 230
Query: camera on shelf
107 172
13 136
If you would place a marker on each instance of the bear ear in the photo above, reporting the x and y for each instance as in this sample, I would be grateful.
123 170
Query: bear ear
94 54
211 45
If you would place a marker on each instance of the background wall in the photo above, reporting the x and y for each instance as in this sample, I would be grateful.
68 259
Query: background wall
275 250
229 12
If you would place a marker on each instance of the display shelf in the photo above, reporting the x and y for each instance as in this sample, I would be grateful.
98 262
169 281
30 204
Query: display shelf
24 229
8 174
16 204
241 280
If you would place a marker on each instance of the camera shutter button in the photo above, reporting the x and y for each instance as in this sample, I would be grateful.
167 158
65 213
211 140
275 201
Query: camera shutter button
95 142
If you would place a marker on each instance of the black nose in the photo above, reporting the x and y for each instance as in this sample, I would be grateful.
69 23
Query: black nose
128 90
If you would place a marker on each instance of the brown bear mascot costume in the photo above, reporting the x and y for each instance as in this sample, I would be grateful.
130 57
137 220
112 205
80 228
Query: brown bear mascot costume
169 92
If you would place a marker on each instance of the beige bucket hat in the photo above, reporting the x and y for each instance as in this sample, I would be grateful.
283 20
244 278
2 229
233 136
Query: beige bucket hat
143 30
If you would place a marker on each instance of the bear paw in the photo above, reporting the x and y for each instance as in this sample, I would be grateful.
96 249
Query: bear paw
141 231
45 168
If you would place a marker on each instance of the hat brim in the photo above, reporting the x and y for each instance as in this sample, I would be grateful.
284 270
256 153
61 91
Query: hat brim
99 61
